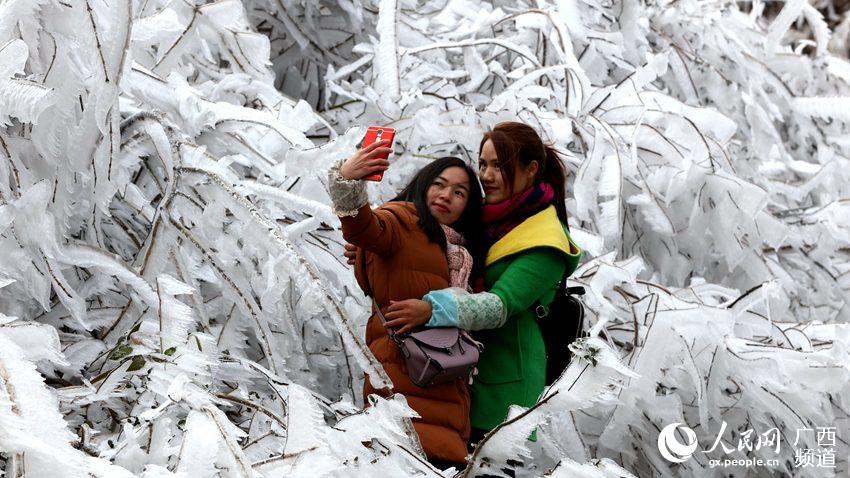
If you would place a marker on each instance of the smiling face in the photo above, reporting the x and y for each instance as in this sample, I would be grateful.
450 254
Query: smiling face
448 195
496 188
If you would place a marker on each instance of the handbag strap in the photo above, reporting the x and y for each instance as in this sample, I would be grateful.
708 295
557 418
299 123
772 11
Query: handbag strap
381 316
361 256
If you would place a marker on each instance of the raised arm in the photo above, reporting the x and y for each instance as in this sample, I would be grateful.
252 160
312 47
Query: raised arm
375 231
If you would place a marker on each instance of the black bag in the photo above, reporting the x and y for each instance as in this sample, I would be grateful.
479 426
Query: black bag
560 323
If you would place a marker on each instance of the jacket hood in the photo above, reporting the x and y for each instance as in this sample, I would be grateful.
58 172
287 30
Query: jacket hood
543 229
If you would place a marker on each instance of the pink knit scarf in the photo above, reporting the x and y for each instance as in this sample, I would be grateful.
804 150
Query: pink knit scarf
459 259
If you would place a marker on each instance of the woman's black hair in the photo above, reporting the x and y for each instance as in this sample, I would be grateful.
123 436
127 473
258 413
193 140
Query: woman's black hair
469 224
517 145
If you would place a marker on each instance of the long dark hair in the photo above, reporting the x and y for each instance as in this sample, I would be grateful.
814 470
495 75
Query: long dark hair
517 145
469 222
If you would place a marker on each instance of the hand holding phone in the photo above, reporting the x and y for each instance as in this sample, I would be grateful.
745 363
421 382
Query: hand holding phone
368 161
377 134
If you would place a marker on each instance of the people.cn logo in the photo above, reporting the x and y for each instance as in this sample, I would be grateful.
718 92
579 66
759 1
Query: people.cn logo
670 446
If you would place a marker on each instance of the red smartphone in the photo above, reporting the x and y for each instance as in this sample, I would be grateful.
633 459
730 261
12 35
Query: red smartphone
374 134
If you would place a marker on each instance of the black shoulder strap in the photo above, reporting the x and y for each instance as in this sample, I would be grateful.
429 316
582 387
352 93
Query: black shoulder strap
542 311
577 290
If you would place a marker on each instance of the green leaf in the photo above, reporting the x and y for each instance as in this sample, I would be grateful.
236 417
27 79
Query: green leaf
137 364
103 375
170 351
121 352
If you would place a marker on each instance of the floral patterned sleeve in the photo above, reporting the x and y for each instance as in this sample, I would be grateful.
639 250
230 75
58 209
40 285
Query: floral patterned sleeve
530 276
457 308
347 196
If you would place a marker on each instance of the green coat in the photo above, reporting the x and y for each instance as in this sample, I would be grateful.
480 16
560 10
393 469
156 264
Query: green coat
523 267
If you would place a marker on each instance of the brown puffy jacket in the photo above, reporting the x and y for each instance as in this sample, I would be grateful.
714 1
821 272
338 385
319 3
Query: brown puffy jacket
397 262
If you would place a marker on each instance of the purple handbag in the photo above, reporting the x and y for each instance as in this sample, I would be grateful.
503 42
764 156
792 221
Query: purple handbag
436 355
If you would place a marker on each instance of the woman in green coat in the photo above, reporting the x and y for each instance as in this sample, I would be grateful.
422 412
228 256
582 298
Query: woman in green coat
529 251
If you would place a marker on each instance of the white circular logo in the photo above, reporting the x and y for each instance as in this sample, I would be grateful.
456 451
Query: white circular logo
670 446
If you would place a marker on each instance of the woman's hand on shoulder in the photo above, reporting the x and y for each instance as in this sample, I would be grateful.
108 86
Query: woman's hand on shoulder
366 161
407 314
350 253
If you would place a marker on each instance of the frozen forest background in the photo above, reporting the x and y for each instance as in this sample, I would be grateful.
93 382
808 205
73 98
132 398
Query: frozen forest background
173 299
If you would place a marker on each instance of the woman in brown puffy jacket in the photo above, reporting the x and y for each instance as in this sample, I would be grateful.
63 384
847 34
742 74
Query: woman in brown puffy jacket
408 247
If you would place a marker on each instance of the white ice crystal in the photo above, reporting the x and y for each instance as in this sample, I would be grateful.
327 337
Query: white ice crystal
173 298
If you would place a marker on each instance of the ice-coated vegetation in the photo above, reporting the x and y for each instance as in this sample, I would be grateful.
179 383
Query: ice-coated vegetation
173 298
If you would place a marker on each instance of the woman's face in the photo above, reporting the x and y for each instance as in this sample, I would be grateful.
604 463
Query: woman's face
448 194
490 174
